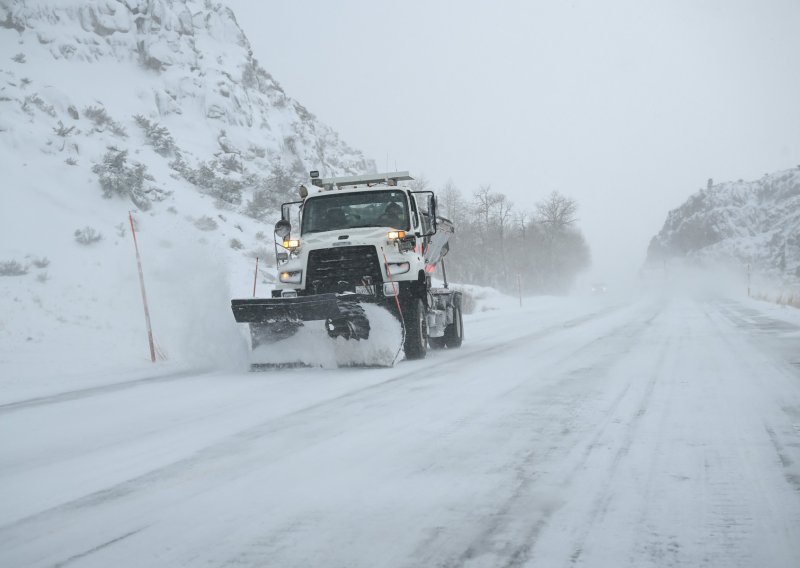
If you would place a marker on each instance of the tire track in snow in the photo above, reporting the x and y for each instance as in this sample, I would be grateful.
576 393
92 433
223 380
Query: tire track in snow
748 510
98 390
508 538
605 495
239 443
97 548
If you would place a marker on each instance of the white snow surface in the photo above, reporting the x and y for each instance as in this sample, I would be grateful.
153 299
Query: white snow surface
612 430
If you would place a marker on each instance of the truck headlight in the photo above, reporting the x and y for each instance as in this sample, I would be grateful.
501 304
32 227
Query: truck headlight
292 277
291 244
399 268
394 235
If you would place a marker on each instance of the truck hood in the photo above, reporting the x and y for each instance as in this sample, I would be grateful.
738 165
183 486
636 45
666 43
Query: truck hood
346 237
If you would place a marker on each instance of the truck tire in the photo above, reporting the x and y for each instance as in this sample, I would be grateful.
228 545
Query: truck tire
454 333
416 324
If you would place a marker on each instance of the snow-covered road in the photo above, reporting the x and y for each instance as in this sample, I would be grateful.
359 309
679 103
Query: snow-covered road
654 432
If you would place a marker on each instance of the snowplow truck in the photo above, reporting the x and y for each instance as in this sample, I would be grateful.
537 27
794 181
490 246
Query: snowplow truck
356 240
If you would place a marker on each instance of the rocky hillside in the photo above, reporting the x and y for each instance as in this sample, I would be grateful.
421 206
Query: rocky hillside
745 222
167 81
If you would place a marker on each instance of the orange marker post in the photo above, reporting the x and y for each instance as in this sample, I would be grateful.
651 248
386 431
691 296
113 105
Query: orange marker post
144 294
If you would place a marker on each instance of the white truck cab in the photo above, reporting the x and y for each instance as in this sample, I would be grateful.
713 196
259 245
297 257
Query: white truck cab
360 239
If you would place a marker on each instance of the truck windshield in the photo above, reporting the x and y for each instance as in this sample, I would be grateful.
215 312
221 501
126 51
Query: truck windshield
352 210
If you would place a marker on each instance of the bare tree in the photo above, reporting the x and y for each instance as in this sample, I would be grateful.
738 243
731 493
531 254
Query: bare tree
556 212
483 202
521 219
452 202
494 242
502 218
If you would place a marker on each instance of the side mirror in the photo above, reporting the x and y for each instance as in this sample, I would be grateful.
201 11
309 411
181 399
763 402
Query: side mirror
283 228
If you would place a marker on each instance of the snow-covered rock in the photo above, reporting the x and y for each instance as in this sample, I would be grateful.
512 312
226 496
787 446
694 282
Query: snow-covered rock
184 64
755 223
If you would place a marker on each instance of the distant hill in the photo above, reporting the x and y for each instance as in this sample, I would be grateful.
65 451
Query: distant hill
742 222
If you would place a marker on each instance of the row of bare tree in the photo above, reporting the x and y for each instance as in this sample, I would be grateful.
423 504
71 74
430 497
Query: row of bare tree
542 250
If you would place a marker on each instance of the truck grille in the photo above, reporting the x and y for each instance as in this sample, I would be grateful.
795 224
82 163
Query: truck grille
341 269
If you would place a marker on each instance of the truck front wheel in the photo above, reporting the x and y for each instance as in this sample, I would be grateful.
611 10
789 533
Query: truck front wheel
416 343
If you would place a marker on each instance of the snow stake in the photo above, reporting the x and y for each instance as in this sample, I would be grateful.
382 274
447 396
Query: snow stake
255 278
144 295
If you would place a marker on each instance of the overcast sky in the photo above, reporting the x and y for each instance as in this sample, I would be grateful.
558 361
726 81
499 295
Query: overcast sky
627 106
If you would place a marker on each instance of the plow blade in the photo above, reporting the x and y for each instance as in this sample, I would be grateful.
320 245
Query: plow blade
302 308
272 319
349 332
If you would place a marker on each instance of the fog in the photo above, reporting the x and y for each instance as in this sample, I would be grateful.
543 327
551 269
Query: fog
627 107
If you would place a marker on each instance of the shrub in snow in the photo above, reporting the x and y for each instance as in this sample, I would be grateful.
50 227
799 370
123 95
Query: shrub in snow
211 180
261 204
257 151
231 163
12 268
205 223
147 60
236 244
102 121
87 236
117 177
62 130
262 253
271 192
43 262
71 161
35 101
67 50
157 136
42 277
19 58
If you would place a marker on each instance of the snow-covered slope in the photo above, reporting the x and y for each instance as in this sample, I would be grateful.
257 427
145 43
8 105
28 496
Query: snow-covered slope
185 64
756 223
160 107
